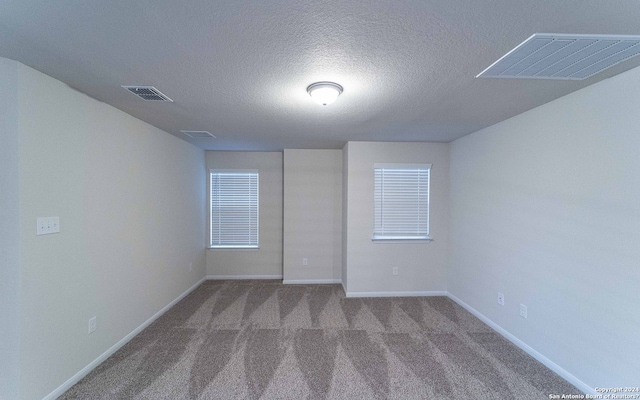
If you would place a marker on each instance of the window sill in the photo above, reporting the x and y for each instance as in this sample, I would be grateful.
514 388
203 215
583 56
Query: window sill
233 248
401 240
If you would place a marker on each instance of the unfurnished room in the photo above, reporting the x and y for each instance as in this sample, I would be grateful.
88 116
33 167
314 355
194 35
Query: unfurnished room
325 200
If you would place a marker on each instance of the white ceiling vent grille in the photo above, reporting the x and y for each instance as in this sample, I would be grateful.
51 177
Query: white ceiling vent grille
148 93
199 134
559 56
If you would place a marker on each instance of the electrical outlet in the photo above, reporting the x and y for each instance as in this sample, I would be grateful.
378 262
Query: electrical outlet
92 325
395 271
305 261
523 311
500 298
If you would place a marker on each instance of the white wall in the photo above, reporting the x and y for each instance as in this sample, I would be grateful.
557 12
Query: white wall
345 203
9 232
267 260
131 203
422 266
545 209
313 215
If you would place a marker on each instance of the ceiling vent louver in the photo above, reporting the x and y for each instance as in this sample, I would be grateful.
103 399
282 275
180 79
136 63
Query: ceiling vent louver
148 93
199 134
560 56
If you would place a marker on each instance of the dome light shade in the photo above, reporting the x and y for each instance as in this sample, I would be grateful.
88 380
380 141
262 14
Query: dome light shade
324 92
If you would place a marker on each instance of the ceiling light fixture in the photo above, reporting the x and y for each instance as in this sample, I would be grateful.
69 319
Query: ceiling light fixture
324 92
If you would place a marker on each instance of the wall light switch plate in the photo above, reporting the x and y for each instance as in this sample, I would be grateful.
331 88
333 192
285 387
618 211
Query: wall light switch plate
47 225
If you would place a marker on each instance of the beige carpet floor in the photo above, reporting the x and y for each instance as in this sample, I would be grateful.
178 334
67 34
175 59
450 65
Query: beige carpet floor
265 340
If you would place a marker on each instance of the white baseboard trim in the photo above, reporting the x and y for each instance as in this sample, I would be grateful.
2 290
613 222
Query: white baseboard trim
310 281
526 348
240 277
396 294
84 371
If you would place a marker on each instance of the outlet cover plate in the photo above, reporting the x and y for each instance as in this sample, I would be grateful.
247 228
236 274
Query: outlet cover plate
523 311
92 325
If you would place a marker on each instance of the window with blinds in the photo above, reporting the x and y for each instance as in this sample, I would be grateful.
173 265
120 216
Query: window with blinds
234 209
401 198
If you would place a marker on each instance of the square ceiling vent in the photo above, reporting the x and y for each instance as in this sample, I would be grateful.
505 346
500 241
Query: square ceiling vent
199 134
148 93
560 56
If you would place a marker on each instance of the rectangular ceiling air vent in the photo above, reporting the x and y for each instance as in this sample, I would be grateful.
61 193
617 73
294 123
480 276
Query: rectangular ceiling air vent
560 56
148 93
199 134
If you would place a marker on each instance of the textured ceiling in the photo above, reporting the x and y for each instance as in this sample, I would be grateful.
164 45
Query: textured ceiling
239 69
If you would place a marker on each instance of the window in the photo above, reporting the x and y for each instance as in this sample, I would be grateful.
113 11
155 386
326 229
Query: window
401 197
234 209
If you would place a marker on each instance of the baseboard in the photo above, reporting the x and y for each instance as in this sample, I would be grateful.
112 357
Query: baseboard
310 281
396 294
526 348
240 277
84 371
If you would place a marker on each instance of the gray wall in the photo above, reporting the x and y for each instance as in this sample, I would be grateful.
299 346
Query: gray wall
545 209
313 215
422 266
267 260
9 232
132 207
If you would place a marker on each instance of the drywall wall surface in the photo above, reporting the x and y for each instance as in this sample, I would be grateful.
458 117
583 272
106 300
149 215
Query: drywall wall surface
131 204
545 210
345 202
9 232
421 266
312 215
267 260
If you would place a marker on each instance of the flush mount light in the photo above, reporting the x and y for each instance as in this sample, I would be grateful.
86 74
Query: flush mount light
324 92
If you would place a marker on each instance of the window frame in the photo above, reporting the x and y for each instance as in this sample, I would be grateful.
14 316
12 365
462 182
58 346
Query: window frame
250 245
389 238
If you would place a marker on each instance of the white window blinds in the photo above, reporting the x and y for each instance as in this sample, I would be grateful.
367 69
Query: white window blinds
401 197
234 209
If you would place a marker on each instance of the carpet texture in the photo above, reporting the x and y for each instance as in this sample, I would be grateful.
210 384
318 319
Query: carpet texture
265 340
